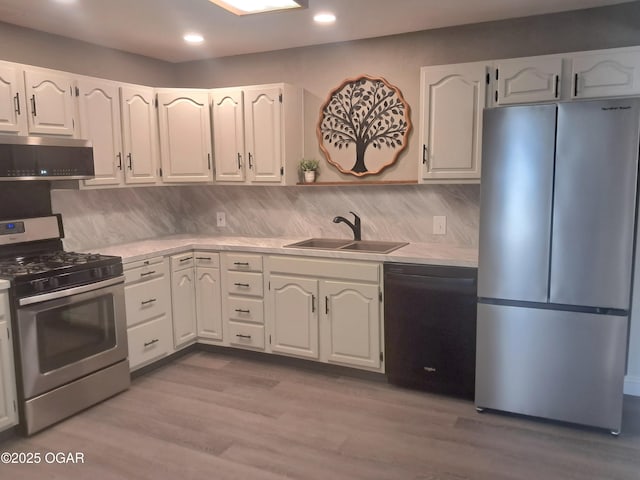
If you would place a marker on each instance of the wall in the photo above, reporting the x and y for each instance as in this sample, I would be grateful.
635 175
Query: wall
402 213
398 58
30 47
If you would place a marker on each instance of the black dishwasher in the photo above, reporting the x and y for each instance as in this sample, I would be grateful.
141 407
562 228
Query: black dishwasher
430 327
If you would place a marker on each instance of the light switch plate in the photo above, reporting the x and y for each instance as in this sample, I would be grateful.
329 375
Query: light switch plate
439 225
221 219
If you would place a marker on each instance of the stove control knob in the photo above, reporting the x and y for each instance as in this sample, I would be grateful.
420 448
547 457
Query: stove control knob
96 273
53 282
39 285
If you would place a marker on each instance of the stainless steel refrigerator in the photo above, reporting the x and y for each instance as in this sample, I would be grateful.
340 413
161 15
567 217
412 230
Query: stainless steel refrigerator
557 226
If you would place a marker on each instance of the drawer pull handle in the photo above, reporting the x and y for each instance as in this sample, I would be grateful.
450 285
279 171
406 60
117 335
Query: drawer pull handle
203 258
241 264
240 310
186 259
245 285
147 273
239 335
147 344
147 302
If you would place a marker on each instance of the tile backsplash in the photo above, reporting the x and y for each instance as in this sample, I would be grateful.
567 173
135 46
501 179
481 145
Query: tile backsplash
95 218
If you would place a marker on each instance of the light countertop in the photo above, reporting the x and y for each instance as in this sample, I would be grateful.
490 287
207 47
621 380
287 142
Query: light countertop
421 253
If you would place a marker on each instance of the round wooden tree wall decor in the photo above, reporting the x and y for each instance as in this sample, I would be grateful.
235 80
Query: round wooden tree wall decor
364 126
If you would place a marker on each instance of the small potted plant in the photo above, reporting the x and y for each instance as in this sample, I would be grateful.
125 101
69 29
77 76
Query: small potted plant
309 168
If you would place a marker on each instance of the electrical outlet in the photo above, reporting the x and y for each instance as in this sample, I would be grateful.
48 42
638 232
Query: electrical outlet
221 219
439 225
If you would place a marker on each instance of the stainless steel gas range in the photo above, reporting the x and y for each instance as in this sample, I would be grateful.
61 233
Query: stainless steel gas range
69 322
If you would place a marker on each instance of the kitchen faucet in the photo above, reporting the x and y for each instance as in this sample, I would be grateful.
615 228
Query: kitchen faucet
357 235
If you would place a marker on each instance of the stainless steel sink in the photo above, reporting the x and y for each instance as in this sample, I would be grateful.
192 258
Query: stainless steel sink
364 246
372 246
321 243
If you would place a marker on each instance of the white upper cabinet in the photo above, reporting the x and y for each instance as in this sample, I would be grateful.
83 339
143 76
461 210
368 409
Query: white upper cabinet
532 79
228 134
51 102
139 134
185 135
263 134
258 133
13 113
452 99
605 73
99 105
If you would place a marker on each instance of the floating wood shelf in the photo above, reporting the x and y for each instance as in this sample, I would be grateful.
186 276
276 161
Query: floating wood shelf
365 182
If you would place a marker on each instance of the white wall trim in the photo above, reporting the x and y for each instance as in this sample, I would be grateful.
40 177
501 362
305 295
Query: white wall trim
632 385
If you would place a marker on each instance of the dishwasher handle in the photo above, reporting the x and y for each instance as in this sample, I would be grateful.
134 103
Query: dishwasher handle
450 284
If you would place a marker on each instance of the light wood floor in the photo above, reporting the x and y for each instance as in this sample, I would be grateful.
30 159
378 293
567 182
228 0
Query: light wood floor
213 416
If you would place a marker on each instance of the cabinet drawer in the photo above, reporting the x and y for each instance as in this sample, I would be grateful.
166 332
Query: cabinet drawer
144 270
246 335
246 309
245 283
183 260
149 341
207 259
146 300
244 262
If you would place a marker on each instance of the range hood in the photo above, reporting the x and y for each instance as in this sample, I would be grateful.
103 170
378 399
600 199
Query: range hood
45 158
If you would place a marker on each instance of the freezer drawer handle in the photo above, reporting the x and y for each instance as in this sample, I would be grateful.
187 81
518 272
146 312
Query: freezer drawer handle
147 302
240 310
148 344
245 285
239 335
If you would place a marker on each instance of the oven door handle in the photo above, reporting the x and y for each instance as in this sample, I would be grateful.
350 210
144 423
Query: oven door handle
70 291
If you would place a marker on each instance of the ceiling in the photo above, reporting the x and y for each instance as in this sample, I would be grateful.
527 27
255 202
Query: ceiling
154 28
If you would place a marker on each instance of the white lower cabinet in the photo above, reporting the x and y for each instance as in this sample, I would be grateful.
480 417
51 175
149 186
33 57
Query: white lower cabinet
208 296
242 300
327 310
147 293
8 411
351 324
183 299
294 315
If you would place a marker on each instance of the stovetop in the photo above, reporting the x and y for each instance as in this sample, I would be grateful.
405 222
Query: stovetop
56 270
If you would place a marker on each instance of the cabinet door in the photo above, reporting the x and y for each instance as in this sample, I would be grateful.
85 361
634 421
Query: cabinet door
208 303
453 97
522 80
228 134
263 134
183 299
139 134
8 413
100 123
294 316
350 327
51 102
13 113
605 74
185 136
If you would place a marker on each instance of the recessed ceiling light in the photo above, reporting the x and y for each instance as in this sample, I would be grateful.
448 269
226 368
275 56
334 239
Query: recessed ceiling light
324 18
245 7
193 38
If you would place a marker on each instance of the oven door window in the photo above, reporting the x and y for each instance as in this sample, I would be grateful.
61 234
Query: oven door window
73 332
